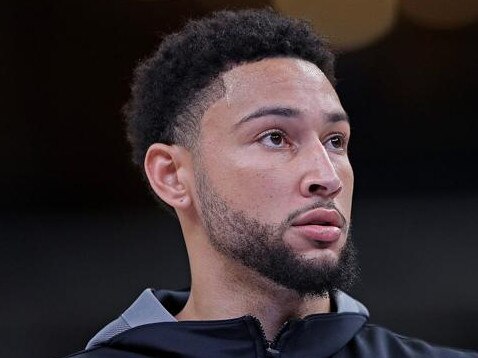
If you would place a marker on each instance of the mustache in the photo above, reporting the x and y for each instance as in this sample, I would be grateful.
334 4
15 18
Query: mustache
319 204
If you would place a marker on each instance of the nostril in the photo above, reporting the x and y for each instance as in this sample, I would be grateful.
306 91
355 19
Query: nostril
313 188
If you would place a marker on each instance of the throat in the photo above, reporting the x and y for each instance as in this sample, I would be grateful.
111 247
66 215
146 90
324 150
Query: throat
277 316
271 312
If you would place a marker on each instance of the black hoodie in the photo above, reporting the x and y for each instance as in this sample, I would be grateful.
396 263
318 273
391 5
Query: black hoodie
148 329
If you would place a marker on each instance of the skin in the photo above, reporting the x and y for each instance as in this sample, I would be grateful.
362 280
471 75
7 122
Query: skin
267 166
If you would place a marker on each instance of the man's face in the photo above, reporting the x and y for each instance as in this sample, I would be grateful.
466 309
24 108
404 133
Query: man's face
274 181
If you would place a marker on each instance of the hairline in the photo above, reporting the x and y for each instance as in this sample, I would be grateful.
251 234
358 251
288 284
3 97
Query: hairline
212 97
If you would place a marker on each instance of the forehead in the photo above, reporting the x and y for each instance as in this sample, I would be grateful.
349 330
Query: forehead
269 72
285 82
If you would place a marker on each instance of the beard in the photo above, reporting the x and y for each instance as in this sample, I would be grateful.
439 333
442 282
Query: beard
261 247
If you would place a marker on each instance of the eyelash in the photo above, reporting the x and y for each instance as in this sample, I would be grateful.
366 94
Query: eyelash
284 136
341 136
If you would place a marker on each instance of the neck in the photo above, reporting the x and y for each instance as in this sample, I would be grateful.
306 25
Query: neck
224 289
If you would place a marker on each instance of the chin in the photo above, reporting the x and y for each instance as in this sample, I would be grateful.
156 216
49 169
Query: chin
328 256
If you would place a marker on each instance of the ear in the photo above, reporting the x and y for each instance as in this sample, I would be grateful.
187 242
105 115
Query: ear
167 167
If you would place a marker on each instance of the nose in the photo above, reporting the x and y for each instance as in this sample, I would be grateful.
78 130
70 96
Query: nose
321 178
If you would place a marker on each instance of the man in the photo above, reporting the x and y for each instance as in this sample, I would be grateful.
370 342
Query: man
240 132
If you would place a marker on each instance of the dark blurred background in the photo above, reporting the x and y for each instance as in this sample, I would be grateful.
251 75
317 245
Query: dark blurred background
80 236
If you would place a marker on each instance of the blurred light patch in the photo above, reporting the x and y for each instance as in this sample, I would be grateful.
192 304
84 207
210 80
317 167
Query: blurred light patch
441 14
348 24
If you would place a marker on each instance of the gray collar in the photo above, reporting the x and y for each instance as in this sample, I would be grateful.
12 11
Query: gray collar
148 309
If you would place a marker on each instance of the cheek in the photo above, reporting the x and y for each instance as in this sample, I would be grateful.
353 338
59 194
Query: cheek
252 185
346 175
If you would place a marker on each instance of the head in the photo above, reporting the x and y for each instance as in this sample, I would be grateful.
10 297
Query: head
241 132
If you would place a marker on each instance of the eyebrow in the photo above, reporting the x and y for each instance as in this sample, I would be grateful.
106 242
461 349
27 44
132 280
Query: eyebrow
288 112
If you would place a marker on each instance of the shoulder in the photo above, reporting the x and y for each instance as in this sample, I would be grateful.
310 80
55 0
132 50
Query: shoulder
373 340
106 352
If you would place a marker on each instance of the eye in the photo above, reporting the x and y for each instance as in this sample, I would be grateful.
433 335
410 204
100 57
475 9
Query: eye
337 142
274 139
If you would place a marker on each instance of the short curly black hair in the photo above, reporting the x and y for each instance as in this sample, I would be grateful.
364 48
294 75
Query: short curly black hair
174 87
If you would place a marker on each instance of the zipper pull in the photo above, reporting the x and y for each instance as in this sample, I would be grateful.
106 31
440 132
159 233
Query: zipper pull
271 352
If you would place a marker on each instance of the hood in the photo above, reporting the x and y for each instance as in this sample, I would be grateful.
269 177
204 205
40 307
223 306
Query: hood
149 324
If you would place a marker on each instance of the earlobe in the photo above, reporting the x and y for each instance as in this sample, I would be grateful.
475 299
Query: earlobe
164 165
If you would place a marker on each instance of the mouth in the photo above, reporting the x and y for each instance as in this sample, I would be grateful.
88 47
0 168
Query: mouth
321 225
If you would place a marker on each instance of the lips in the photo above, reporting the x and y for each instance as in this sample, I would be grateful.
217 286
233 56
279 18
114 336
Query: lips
324 225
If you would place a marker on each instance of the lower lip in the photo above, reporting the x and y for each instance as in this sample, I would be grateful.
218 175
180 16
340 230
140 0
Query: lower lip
319 232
